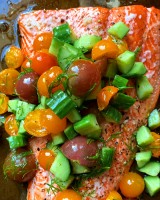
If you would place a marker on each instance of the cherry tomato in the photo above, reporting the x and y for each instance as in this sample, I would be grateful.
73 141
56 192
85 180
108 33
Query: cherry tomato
114 195
46 158
155 145
42 41
11 125
42 61
43 122
26 87
68 194
84 75
26 64
122 46
14 57
8 78
3 103
47 78
131 185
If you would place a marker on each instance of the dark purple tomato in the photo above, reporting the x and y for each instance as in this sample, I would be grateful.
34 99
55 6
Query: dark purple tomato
81 150
84 75
26 87
20 165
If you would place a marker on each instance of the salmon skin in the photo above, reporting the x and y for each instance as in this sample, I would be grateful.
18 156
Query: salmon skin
144 24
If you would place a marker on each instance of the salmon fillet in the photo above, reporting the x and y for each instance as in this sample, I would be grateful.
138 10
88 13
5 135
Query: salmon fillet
144 24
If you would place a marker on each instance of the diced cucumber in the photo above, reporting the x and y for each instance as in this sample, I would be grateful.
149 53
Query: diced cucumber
88 126
61 167
60 103
67 54
64 184
138 69
40 106
21 129
152 184
125 61
142 158
111 114
79 169
17 141
43 101
119 82
78 101
64 33
12 105
144 136
70 132
154 119
86 42
122 101
118 30
143 87
56 44
152 168
23 108
58 139
74 115
112 69
107 156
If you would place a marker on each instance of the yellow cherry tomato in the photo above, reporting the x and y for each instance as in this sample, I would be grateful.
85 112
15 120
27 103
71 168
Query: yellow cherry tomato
131 185
114 195
3 103
68 194
14 57
46 158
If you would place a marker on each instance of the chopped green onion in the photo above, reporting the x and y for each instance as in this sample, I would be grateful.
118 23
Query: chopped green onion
70 132
17 141
107 156
120 82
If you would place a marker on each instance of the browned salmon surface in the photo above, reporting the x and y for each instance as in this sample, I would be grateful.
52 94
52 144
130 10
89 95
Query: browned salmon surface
144 24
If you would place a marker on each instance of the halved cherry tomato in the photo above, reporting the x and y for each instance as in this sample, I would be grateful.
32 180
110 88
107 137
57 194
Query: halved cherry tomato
105 48
8 78
42 61
46 158
3 103
42 41
155 146
26 64
14 57
42 122
114 195
11 125
122 46
48 77
104 96
131 185
68 194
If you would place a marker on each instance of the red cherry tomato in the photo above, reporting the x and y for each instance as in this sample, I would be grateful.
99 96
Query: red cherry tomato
68 194
131 185
26 64
46 158
42 61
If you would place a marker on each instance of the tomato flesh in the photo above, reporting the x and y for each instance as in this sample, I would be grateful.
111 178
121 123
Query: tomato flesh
11 125
46 158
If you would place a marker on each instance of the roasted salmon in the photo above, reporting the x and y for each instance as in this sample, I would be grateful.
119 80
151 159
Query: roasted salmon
144 24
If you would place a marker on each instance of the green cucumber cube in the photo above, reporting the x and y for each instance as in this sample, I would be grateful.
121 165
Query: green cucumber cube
125 61
138 69
154 119
144 136
152 168
143 158
152 184
118 30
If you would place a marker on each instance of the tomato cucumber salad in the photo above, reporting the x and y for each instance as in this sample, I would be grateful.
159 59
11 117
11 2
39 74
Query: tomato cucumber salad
63 93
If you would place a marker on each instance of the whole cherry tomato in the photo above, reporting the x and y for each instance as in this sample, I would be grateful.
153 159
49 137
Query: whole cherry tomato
114 195
42 61
46 158
131 185
47 78
68 194
14 57
26 64
42 41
